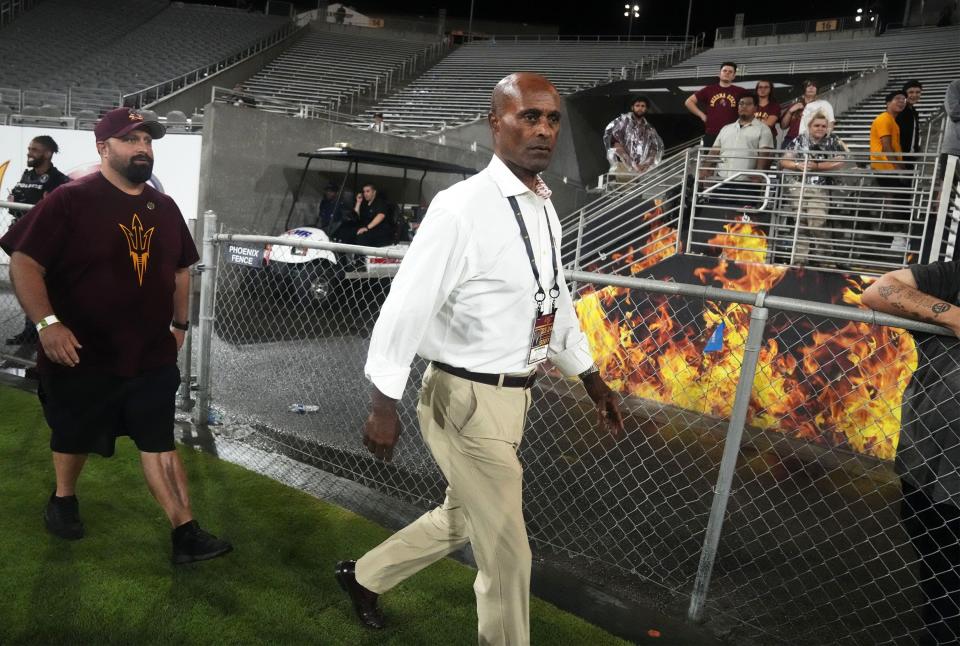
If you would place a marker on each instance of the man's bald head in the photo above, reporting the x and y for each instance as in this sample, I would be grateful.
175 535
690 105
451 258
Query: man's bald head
524 122
510 88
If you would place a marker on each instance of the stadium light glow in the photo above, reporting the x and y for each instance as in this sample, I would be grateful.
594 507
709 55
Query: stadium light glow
630 12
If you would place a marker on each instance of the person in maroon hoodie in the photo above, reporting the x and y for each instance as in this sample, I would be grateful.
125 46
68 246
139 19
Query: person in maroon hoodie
716 104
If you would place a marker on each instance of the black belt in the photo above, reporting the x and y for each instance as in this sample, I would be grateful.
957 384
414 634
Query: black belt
487 378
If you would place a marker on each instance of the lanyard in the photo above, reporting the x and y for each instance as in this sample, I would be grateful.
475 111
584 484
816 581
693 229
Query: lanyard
555 290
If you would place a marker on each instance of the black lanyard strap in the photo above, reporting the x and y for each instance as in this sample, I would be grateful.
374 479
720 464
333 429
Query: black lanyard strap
555 290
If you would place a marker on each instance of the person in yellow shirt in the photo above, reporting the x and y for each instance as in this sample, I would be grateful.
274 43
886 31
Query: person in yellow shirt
887 159
885 135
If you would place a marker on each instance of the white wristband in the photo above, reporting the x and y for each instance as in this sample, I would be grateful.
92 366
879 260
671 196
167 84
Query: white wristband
47 322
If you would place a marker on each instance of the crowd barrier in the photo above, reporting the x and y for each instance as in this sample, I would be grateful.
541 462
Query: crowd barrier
755 482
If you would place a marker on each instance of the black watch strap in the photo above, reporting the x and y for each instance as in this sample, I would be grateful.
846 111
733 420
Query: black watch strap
180 326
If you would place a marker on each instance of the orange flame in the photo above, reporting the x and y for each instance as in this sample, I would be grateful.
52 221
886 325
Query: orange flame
842 388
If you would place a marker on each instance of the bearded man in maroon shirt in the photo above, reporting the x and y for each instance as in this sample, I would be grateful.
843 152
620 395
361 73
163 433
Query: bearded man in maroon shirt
101 266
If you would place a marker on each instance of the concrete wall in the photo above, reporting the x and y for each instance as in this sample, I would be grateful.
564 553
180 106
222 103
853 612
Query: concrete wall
853 92
189 99
817 36
250 167
564 175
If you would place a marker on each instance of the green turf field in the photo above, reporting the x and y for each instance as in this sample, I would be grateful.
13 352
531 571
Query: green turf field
117 585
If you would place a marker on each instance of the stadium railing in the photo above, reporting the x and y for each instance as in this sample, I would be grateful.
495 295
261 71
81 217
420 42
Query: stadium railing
818 26
863 221
147 96
755 486
10 9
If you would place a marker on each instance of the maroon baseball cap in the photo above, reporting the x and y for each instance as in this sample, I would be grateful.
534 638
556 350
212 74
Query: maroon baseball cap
119 122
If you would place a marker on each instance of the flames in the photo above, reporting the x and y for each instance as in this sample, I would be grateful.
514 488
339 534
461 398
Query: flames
821 381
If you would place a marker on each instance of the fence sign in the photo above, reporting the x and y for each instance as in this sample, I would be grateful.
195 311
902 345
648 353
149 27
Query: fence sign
242 255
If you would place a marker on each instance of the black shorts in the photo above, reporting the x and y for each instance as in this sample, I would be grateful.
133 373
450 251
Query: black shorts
88 412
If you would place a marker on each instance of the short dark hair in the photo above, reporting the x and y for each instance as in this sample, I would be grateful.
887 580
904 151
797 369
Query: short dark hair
730 63
751 96
370 184
47 142
640 99
810 83
892 95
912 83
378 114
772 86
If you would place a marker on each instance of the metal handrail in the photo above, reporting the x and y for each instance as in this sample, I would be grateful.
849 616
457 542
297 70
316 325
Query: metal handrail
743 173
194 76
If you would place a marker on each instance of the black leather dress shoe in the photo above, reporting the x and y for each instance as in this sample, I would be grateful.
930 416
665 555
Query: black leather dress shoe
364 601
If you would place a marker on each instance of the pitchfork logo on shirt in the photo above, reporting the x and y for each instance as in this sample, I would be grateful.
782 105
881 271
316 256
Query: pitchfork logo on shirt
138 243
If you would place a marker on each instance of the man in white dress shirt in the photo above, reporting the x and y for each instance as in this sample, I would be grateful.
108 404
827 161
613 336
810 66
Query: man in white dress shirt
479 294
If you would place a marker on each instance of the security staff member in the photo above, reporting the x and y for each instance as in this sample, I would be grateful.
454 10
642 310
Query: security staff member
39 180
41 176
480 294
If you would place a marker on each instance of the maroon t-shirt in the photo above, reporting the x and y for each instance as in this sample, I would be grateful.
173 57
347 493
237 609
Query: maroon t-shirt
110 260
771 109
719 104
793 130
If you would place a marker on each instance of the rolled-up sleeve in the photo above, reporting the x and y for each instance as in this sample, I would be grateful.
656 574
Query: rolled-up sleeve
429 272
569 348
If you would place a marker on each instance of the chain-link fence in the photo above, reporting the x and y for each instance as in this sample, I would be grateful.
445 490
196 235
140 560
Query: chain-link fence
15 357
755 487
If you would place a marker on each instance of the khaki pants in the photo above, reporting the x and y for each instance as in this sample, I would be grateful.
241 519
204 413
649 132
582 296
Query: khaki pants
473 431
813 237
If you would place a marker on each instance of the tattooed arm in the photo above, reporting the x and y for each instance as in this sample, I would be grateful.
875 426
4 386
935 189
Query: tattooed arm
896 293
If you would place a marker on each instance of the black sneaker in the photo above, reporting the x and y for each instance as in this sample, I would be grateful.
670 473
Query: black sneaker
191 543
62 517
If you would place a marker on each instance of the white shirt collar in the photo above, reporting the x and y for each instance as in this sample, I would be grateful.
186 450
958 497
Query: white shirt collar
509 184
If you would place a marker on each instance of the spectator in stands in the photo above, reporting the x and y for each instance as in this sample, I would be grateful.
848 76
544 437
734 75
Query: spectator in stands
887 162
631 141
374 226
740 143
716 105
378 125
909 119
928 455
768 110
333 210
102 266
340 14
951 135
39 180
240 99
797 116
812 156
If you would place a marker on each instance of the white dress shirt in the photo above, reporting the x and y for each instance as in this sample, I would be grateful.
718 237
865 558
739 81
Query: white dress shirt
464 293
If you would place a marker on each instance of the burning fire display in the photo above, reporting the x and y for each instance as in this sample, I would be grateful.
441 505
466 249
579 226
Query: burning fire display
828 382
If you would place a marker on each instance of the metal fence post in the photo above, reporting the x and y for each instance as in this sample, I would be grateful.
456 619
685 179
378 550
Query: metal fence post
208 279
184 401
731 449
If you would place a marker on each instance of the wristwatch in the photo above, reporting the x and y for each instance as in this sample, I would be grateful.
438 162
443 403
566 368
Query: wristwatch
46 321
176 325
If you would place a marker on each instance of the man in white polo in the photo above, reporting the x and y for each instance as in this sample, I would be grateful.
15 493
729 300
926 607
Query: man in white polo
481 295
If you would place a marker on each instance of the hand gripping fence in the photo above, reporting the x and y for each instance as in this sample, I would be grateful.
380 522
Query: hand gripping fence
755 490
